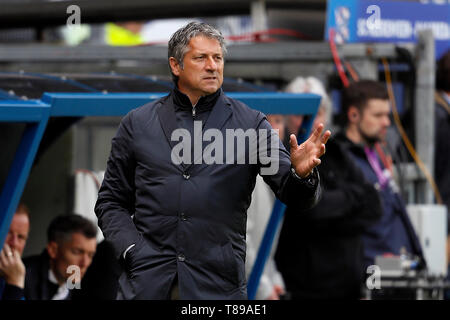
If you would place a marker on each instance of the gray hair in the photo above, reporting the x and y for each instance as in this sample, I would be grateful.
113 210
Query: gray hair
178 43
312 85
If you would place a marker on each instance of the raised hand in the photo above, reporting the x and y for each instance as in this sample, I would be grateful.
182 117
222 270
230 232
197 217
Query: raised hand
306 156
12 267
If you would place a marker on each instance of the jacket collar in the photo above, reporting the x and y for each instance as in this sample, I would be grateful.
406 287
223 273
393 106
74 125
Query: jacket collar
220 113
205 103
356 149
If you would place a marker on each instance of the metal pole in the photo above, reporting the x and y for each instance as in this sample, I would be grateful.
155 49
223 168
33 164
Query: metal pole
259 16
424 109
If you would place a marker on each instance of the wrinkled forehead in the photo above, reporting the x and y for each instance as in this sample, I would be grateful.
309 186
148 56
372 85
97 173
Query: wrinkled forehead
21 222
203 44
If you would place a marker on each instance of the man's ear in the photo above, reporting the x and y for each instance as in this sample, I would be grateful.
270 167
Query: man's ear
174 66
353 114
52 249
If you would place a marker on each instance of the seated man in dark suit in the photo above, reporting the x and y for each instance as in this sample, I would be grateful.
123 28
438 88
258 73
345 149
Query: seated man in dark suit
60 268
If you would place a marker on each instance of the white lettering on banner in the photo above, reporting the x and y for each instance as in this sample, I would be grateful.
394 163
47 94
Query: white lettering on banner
373 22
402 29
441 29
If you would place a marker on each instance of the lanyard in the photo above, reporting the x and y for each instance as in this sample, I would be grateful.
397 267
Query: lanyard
373 161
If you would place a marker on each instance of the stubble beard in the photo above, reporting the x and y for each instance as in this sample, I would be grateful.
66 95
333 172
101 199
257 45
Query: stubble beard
370 140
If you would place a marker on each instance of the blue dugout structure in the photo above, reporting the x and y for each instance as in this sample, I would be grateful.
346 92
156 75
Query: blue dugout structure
36 114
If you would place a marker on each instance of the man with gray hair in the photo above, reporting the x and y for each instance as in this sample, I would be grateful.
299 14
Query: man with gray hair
179 228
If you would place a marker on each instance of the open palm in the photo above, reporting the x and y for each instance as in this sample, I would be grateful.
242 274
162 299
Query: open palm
305 157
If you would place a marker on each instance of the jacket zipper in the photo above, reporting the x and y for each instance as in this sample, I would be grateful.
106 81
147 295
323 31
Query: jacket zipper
193 112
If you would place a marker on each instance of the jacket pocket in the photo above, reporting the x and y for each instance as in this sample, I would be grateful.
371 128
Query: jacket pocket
126 290
139 258
229 263
132 258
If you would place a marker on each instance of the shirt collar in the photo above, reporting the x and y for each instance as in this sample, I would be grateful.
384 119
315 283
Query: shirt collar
62 291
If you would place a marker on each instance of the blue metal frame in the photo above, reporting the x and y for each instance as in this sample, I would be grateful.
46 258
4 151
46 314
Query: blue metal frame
37 112
56 78
36 116
265 247
247 84
7 96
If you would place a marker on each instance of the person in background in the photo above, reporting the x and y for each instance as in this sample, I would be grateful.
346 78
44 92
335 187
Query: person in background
101 279
442 135
320 251
366 111
70 248
12 269
307 85
293 121
442 145
124 33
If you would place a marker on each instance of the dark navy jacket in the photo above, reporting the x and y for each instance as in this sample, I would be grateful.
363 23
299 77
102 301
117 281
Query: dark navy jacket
10 292
394 230
37 284
188 221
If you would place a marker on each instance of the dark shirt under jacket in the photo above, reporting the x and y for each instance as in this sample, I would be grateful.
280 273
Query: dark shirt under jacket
188 221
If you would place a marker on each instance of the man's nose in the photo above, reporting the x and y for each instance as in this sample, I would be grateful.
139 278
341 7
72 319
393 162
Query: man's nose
211 64
13 241
87 260
83 263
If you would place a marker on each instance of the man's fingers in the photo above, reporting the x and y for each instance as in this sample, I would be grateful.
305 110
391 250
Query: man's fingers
317 162
322 150
7 251
317 132
326 136
16 254
3 258
293 141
